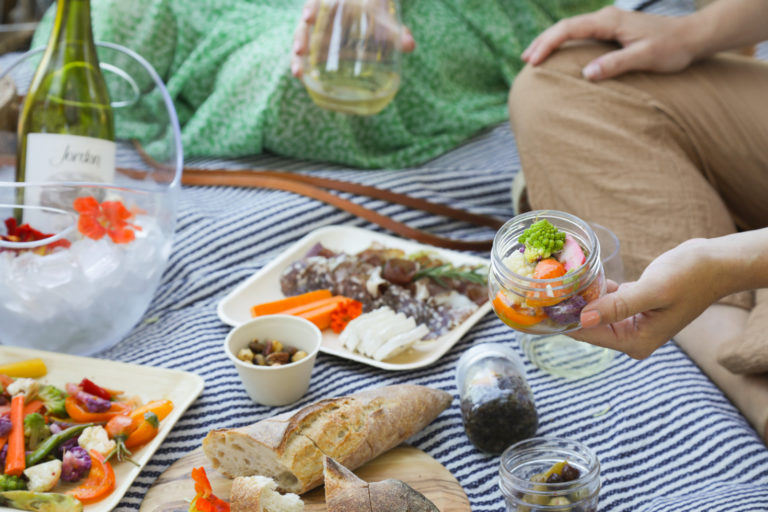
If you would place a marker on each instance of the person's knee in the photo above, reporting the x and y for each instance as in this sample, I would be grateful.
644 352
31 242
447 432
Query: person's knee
546 86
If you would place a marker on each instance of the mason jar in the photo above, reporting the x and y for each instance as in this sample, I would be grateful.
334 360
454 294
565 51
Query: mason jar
497 406
543 306
527 482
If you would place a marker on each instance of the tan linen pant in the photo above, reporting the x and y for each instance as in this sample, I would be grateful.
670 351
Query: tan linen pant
658 158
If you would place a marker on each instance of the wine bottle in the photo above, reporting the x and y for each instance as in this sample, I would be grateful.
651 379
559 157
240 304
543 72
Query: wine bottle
66 126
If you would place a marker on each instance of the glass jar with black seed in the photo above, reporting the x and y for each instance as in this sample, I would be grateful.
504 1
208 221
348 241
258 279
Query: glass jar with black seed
497 406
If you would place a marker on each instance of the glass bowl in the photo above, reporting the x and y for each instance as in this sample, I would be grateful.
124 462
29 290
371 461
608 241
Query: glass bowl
543 306
525 467
83 288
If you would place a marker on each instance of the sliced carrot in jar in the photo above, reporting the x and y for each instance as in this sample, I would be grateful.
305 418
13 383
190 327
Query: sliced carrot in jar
514 315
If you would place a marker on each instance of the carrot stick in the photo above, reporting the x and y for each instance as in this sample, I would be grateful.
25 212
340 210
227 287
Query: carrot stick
33 406
300 310
279 306
15 459
3 440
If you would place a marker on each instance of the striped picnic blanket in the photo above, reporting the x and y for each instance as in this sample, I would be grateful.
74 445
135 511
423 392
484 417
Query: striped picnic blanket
667 438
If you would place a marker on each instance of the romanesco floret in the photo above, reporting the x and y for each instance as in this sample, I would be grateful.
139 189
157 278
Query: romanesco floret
35 430
53 398
541 240
12 483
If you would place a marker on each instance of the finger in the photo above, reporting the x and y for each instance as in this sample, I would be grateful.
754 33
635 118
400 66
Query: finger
407 42
597 25
309 12
602 336
630 58
623 336
531 49
299 48
629 299
611 286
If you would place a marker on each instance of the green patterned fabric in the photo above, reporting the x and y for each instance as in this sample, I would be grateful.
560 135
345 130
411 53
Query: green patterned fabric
226 64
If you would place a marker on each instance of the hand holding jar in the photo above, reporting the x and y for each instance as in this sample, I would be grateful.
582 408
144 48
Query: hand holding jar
545 267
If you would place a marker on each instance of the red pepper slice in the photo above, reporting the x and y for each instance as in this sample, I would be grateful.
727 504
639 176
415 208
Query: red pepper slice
94 389
100 481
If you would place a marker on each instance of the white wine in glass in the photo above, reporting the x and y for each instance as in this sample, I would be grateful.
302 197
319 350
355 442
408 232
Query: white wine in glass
353 63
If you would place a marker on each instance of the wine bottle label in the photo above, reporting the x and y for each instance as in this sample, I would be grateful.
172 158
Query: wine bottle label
57 157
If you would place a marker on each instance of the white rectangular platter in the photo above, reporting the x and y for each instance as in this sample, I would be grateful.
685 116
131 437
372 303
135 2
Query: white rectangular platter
149 383
264 286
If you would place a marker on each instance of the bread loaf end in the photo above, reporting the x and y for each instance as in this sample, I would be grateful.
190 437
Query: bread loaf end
234 454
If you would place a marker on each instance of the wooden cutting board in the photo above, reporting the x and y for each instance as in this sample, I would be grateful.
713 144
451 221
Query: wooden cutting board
174 489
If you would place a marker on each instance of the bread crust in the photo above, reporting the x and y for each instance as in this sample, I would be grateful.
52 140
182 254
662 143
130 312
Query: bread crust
351 429
345 492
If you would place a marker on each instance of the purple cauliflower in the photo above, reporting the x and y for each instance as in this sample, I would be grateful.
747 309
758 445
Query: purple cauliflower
566 312
5 425
75 464
92 402
66 446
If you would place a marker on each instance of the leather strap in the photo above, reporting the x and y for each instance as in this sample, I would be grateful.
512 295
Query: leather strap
314 187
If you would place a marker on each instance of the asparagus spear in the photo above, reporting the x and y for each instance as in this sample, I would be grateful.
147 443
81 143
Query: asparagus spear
40 501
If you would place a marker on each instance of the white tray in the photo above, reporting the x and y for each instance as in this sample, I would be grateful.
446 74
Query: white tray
264 286
149 383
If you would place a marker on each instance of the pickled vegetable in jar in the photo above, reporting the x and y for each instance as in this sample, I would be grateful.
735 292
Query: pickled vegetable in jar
497 405
543 473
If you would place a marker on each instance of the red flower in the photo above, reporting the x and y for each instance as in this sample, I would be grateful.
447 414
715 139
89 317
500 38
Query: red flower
108 218
25 233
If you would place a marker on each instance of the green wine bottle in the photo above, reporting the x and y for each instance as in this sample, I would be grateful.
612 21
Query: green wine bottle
66 128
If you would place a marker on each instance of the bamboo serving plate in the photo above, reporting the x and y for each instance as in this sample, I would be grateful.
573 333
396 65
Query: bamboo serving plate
174 489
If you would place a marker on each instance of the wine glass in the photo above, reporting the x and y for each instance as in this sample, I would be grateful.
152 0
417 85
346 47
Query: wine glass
83 288
353 63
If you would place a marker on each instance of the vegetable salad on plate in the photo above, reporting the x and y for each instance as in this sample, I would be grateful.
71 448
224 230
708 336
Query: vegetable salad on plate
58 442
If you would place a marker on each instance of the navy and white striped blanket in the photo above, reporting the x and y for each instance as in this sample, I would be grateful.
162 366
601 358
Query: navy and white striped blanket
667 438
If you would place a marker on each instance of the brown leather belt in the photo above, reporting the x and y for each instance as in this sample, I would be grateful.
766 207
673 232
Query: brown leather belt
316 188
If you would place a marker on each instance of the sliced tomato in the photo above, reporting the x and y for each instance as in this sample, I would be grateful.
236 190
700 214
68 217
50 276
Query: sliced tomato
100 481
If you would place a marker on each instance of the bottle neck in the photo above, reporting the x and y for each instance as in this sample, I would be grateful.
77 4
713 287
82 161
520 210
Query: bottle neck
72 24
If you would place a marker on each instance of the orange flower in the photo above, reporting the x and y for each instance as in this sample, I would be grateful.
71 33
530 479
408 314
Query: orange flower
108 218
345 312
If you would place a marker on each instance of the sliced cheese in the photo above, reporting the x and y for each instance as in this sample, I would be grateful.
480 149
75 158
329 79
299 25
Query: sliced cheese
400 343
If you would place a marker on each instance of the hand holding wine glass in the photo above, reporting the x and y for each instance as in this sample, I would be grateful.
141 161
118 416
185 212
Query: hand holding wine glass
347 53
304 29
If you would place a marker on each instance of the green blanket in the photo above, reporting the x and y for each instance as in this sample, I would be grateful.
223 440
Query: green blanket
226 64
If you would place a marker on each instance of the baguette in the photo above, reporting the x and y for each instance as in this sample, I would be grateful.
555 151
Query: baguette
345 492
352 429
258 494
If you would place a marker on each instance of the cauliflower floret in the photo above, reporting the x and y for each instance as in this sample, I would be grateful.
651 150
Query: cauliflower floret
26 387
96 438
43 477
517 263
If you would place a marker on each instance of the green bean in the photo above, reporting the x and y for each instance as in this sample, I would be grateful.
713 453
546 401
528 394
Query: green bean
52 442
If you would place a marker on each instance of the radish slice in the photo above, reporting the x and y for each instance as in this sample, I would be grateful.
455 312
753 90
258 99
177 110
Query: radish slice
572 256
